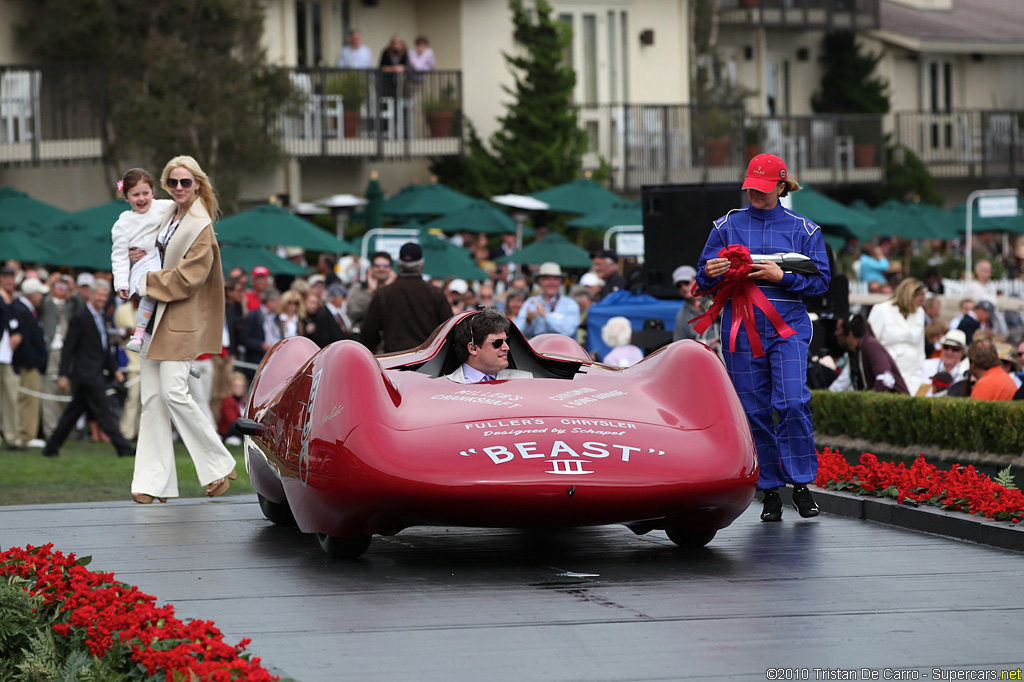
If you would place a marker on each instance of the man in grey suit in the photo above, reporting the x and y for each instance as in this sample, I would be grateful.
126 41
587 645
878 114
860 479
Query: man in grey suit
481 343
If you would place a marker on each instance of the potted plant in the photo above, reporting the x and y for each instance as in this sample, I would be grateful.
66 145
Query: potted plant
866 133
752 134
353 88
440 112
717 124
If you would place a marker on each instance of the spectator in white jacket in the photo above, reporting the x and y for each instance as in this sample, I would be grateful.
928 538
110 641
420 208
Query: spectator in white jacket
898 324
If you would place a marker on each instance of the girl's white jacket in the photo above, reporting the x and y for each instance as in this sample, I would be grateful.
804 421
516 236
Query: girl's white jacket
135 229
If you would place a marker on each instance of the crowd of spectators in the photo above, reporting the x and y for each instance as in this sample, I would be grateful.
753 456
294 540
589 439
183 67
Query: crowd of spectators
921 339
392 306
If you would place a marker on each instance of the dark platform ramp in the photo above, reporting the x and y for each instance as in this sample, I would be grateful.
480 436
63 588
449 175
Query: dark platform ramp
587 605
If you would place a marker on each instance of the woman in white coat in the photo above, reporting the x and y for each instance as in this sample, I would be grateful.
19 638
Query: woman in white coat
898 324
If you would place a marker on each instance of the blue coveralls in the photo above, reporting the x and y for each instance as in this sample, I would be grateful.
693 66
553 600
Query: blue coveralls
778 380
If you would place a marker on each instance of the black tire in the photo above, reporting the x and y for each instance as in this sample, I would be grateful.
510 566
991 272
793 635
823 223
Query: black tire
343 548
690 539
278 514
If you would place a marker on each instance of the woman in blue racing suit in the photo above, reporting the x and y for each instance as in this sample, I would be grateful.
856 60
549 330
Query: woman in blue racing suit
775 380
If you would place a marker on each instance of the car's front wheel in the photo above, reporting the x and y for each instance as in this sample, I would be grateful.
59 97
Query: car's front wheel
690 539
343 548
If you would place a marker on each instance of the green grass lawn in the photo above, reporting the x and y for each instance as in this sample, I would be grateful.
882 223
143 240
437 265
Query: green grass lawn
90 472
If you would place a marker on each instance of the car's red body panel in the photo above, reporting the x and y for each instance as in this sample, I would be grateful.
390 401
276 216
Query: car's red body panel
358 445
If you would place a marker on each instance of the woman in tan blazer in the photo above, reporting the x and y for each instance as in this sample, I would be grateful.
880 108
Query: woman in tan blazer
189 321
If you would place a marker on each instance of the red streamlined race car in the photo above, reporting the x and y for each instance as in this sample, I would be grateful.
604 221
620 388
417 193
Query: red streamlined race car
347 445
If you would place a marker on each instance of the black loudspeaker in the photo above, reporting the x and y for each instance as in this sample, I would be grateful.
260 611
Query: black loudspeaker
677 221
835 303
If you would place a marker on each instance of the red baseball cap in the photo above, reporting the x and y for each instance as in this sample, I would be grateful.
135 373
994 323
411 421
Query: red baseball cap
260 271
764 172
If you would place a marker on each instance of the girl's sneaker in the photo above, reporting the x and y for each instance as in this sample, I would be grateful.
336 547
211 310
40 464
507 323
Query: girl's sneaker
134 344
193 370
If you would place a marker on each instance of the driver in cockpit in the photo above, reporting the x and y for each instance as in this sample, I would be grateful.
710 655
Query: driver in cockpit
481 343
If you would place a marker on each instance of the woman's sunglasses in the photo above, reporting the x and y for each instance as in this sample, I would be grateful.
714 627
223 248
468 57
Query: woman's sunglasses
958 348
184 182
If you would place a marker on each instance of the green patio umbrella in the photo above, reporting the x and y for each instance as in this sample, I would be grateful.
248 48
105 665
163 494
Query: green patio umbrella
17 243
374 209
78 246
553 248
443 259
99 219
271 225
1013 225
420 201
479 216
915 221
248 256
833 217
579 196
618 214
20 210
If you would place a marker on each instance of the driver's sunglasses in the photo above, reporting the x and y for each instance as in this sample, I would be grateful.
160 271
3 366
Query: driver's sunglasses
498 343
184 182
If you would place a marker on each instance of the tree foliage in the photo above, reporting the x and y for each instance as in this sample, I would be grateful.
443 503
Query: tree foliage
539 143
187 77
849 84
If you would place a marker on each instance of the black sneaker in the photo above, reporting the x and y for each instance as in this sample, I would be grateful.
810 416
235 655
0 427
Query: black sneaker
803 502
772 510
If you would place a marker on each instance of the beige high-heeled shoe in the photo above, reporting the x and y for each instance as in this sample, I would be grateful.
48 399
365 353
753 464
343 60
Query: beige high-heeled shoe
143 498
218 487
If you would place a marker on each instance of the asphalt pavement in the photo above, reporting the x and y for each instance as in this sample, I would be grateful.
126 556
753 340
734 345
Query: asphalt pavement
803 599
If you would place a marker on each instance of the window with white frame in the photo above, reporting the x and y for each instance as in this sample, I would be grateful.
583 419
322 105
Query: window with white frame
599 53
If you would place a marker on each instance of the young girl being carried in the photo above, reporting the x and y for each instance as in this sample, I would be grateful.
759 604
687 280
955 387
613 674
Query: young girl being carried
138 228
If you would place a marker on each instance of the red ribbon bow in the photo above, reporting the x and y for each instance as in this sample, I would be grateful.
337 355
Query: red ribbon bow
745 296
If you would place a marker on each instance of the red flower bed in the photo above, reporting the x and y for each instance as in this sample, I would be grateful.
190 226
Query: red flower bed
116 620
958 489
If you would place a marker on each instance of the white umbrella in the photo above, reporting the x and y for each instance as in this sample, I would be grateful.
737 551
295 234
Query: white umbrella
520 204
341 206
307 208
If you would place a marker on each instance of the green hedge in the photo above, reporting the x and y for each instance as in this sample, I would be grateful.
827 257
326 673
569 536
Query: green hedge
952 423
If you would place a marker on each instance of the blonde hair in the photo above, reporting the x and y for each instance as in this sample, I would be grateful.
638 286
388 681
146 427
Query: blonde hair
905 293
292 296
205 192
617 332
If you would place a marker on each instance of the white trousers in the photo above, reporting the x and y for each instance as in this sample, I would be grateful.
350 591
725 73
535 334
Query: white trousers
165 398
202 387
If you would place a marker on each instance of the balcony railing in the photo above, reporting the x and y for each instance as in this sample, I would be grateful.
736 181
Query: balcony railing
356 113
51 113
803 14
662 144
965 143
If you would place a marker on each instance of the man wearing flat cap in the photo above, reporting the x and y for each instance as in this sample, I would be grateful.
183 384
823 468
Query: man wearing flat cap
407 311
606 265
